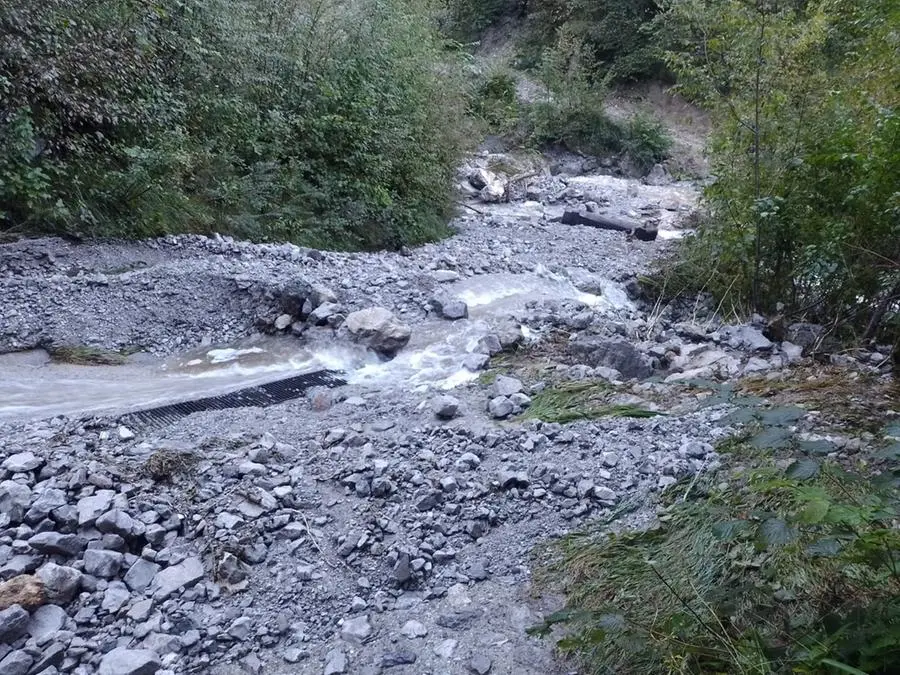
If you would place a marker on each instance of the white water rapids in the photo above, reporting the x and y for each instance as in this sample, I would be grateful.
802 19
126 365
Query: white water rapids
32 387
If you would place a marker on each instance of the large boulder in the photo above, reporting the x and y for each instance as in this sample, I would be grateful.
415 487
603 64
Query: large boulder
378 329
616 354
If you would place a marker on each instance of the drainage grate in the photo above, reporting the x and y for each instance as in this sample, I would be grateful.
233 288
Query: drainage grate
260 396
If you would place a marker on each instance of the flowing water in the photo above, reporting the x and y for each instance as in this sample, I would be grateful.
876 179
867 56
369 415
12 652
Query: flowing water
32 387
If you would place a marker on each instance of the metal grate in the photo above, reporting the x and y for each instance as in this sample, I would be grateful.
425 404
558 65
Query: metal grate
259 396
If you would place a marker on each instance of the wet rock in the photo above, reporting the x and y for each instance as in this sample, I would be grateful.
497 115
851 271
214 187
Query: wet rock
445 276
617 354
489 345
121 661
449 307
125 434
378 329
445 407
61 583
13 623
25 590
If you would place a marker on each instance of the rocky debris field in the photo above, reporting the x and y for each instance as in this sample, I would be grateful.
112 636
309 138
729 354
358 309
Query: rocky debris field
360 529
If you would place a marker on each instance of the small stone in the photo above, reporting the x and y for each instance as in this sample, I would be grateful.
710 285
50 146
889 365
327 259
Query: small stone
54 543
500 407
121 661
414 629
240 628
118 522
125 434
445 648
401 658
14 500
506 386
335 662
13 623
45 621
283 321
91 508
140 575
22 462
666 481
445 407
183 575
17 662
450 307
480 664
604 494
140 611
103 564
60 583
115 597
356 630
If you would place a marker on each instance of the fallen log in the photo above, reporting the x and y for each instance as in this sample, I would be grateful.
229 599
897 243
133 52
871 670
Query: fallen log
637 230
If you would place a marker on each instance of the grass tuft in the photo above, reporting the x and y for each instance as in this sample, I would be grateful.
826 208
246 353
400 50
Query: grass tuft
82 355
585 400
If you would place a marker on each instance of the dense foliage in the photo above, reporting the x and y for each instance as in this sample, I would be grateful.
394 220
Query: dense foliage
318 121
805 209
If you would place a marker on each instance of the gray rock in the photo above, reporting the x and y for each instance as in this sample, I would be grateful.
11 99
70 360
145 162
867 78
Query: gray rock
240 628
506 386
140 611
91 508
103 564
445 407
14 500
377 328
121 661
805 335
414 629
604 494
794 353
489 345
500 407
48 500
449 307
183 575
321 314
445 276
335 662
51 658
115 597
476 362
46 621
400 658
658 176
480 664
17 662
140 575
61 583
459 619
356 630
54 543
22 462
118 522
747 337
616 354
125 434
13 623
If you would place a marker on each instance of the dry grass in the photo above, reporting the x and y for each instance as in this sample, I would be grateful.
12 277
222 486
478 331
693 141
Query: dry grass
843 397
81 355
163 465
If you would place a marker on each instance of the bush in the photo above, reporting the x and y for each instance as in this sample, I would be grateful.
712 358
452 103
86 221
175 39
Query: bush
646 141
317 121
804 213
769 572
495 103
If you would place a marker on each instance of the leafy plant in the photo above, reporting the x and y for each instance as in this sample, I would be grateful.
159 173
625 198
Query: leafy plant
768 572
574 401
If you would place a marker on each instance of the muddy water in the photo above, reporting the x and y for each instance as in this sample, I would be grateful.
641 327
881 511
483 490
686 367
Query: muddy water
32 387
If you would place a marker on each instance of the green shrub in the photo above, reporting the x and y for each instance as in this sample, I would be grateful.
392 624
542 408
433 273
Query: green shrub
804 214
495 102
767 573
646 141
317 121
